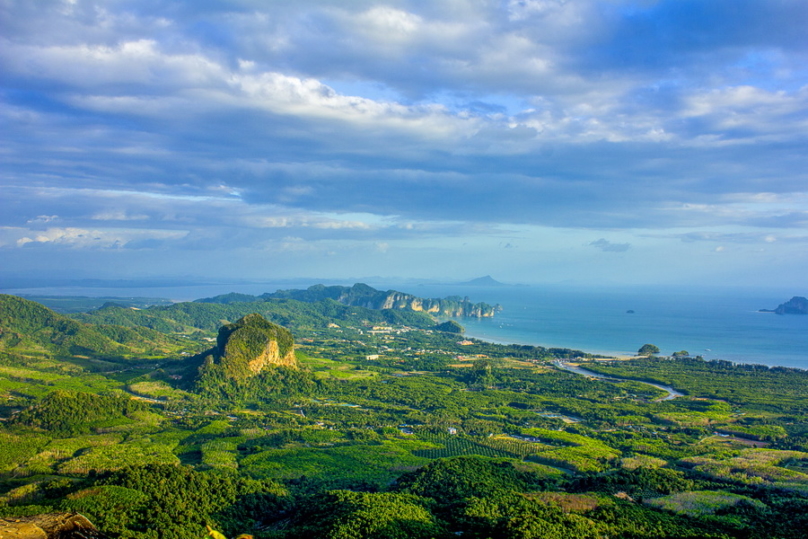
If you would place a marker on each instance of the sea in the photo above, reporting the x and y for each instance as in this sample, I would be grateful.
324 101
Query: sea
715 323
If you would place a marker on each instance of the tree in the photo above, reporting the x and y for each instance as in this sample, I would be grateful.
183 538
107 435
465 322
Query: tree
648 349
450 326
344 514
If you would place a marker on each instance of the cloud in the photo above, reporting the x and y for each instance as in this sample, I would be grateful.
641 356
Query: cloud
80 238
609 247
42 219
742 237
293 126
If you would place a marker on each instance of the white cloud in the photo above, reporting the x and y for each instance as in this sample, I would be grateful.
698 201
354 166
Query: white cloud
118 215
295 125
83 238
139 62
301 221
749 114
41 219
386 24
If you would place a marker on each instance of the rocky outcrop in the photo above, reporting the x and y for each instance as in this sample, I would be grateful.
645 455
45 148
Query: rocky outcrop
362 295
251 345
49 526
796 305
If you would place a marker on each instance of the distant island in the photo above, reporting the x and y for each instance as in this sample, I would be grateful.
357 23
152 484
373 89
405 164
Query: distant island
488 281
796 305
483 281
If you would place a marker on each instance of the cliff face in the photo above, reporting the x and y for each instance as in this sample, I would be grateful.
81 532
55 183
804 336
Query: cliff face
362 295
247 347
452 306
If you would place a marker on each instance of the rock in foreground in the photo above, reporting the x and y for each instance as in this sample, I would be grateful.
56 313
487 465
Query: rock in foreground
49 526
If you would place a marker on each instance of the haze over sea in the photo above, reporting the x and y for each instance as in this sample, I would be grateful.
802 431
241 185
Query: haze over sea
713 323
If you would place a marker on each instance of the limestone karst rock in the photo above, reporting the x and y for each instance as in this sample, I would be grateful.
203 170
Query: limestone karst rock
362 295
250 345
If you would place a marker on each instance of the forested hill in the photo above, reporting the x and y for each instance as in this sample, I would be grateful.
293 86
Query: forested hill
210 315
362 295
28 326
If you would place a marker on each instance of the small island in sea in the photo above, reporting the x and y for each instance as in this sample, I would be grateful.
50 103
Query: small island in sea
489 281
796 305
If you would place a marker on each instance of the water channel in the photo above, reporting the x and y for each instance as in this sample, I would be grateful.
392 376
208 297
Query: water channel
671 393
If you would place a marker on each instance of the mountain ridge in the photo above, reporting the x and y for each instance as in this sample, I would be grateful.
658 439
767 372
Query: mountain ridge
362 295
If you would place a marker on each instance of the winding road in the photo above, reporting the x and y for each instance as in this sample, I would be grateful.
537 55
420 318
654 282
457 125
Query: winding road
671 393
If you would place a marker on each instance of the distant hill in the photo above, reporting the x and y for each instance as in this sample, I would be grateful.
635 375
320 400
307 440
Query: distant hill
28 326
80 304
488 282
483 281
211 313
232 297
796 305
362 295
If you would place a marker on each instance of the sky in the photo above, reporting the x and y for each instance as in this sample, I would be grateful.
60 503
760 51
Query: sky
539 141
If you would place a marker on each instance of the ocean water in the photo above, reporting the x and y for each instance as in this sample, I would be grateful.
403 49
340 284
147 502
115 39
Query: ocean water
713 323
716 324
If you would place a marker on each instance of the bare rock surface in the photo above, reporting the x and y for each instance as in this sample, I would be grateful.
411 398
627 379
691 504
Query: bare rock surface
49 526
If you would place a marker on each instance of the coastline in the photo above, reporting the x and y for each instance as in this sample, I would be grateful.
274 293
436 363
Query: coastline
714 324
609 355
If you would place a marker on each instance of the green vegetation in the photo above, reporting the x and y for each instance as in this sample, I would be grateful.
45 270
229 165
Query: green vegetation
67 413
703 502
450 326
81 304
382 425
29 327
647 350
246 347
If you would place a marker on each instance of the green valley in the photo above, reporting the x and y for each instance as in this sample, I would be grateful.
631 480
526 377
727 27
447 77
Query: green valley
299 416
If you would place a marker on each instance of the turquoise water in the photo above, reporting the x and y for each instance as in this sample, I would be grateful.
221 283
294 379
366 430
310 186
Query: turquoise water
716 324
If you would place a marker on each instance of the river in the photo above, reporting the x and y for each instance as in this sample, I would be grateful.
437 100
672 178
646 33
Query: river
671 393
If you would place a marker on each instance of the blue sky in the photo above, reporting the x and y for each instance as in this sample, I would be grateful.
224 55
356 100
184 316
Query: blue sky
539 141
